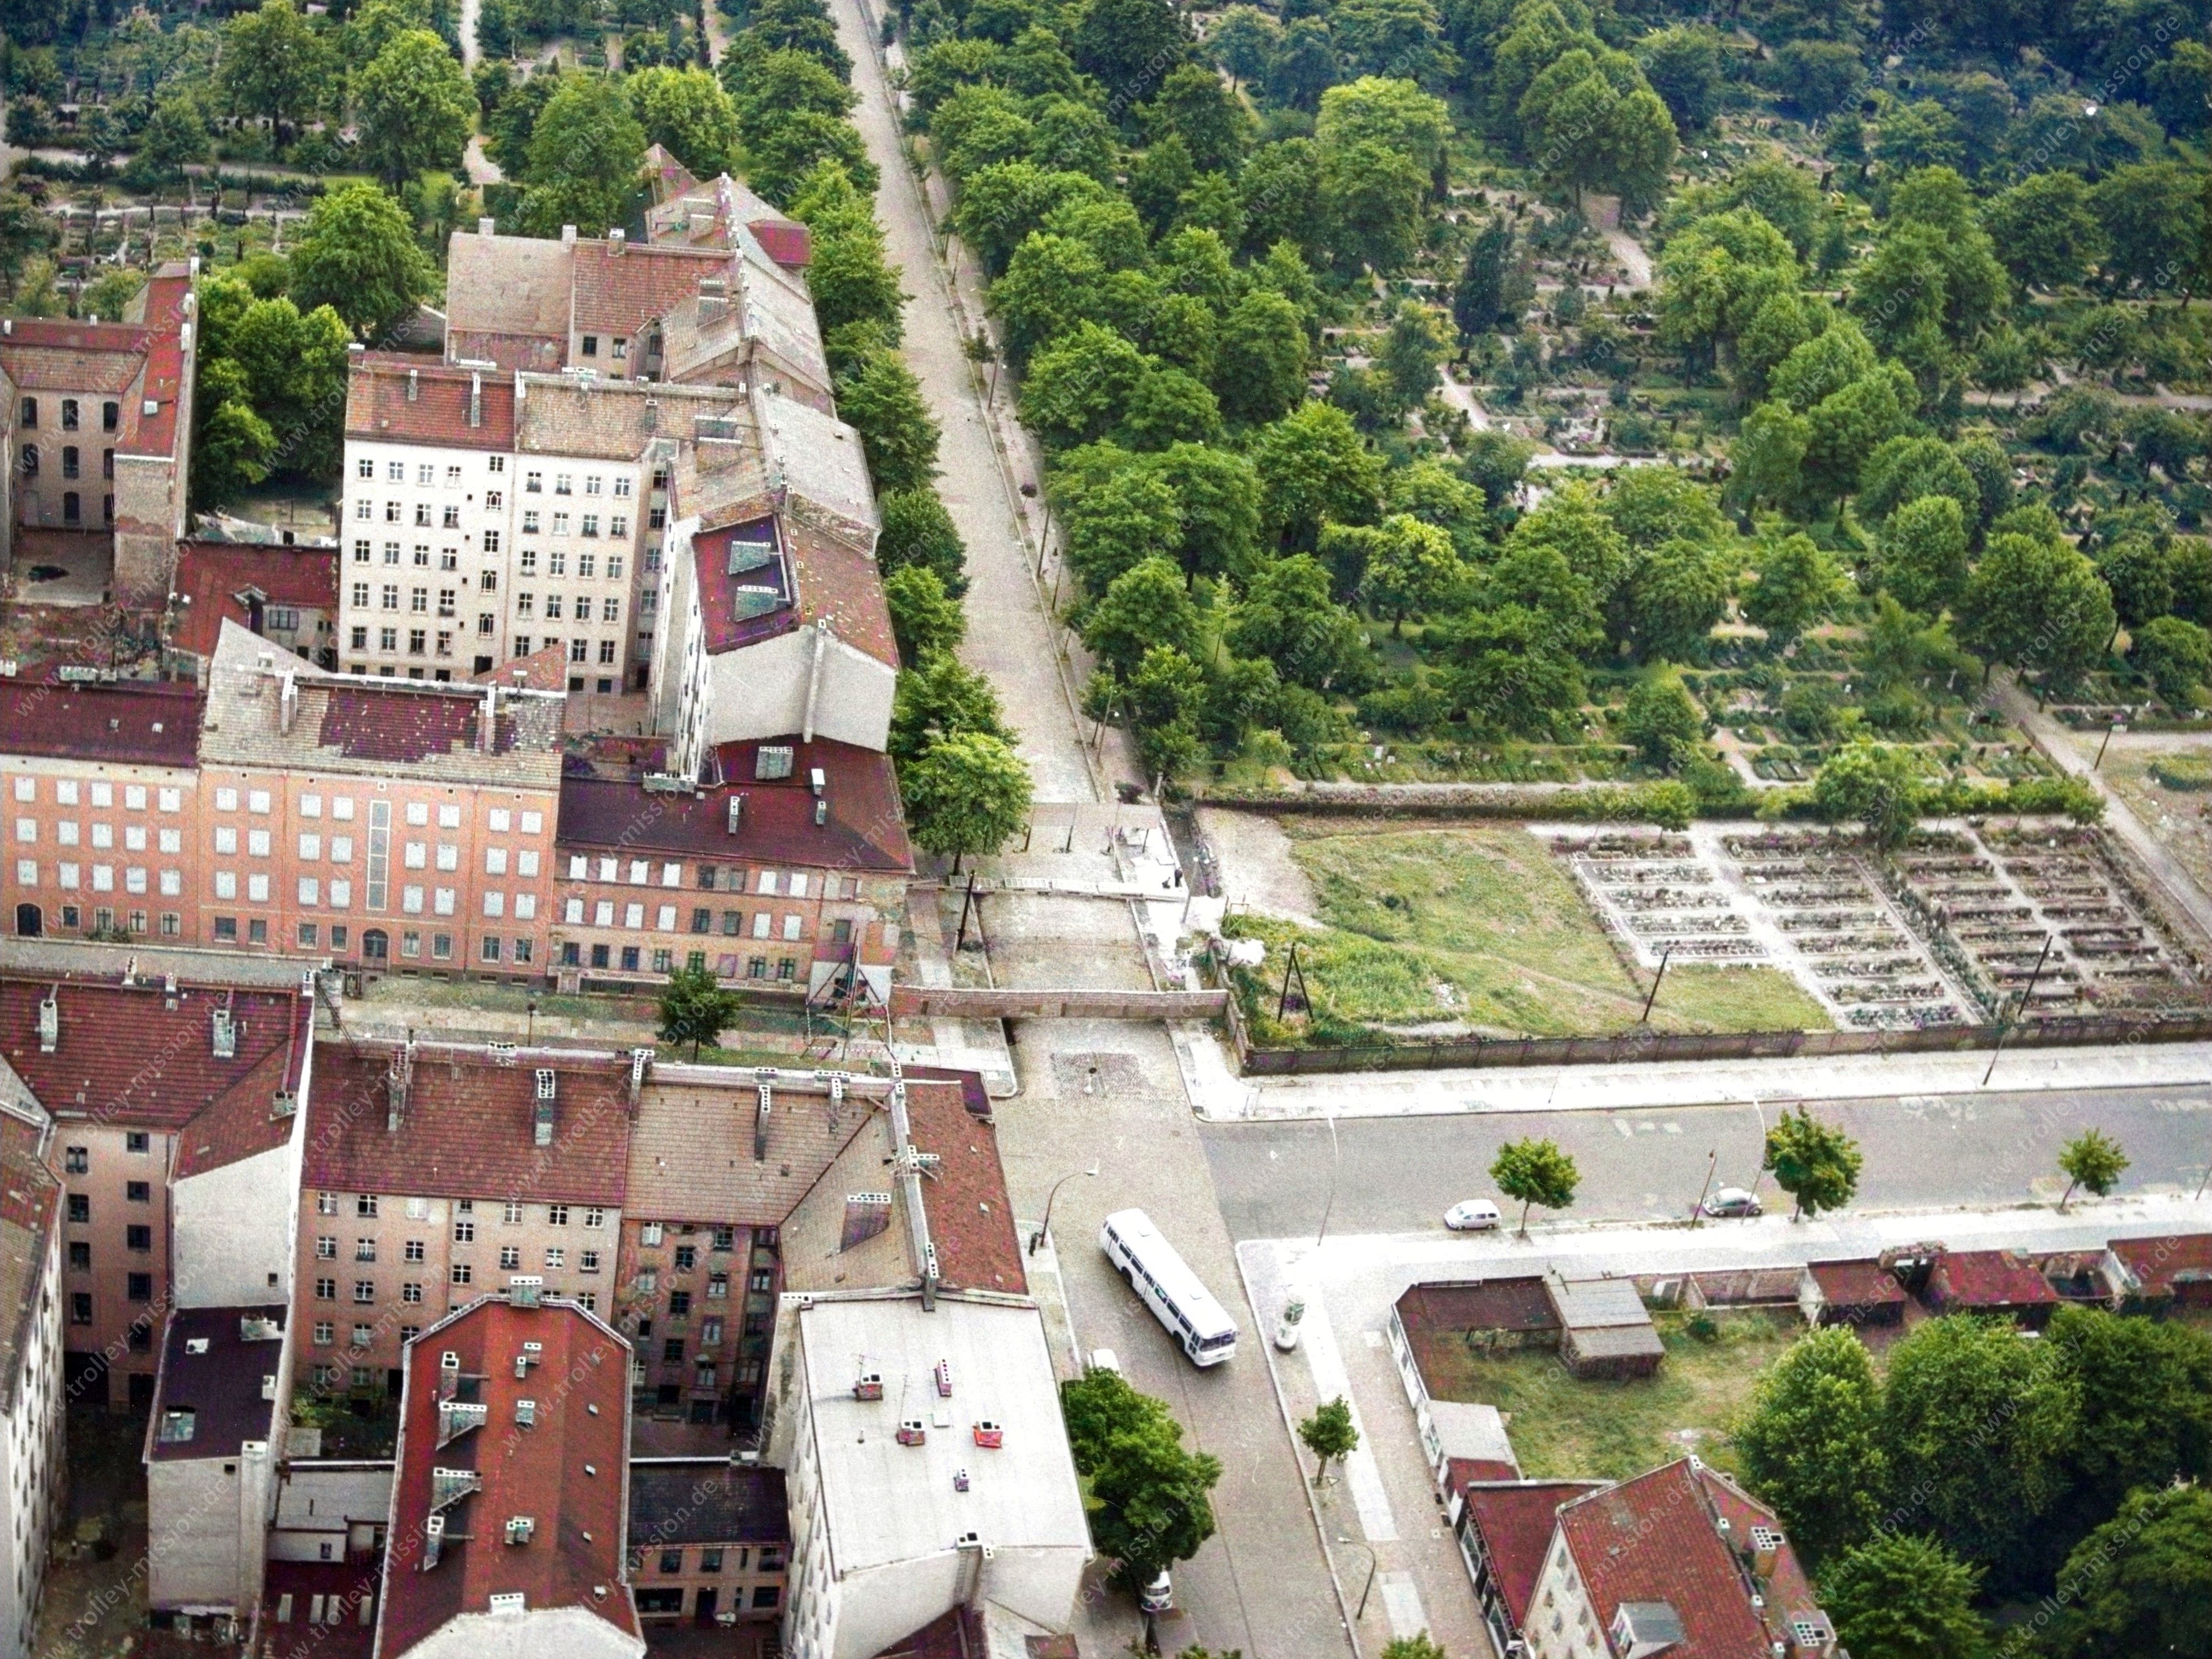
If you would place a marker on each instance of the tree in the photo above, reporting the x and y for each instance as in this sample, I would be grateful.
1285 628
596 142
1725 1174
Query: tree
1814 1163
968 793
2153 219
2045 231
918 531
1288 618
1977 1426
1148 1496
2142 1583
232 445
1684 66
273 65
1193 103
2176 654
941 697
1662 719
1410 357
586 151
1313 467
882 401
1478 298
25 233
1818 76
695 1008
1923 562
1535 1172
1370 205
2143 1394
1417 1646
1906 468
2091 1159
1810 1442
1147 605
357 254
1676 593
1259 359
176 135
1901 1596
687 111
413 107
1243 41
1329 1434
1592 122
2037 603
1079 388
1410 567
1797 583
925 620
1129 45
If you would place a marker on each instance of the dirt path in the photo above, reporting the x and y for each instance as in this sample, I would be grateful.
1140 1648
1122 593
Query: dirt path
1633 260
1010 634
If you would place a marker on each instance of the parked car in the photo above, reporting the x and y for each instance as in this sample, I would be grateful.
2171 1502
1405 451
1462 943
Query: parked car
1472 1215
1733 1200
1105 1360
1158 1596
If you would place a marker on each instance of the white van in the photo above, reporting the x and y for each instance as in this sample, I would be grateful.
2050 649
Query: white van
1169 1287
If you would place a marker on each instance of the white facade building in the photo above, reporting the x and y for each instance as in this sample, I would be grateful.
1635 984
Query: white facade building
32 1469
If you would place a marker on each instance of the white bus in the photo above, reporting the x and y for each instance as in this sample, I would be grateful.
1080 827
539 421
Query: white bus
1170 1290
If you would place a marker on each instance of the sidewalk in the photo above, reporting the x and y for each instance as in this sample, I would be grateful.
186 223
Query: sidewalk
1221 1096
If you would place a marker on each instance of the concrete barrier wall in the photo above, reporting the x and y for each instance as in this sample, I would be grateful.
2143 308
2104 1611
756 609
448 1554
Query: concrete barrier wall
965 1003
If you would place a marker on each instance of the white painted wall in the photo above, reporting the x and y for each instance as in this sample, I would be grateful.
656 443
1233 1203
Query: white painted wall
33 1473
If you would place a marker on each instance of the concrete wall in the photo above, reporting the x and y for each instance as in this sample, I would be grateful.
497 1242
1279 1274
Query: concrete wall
324 1509
210 1514
235 1230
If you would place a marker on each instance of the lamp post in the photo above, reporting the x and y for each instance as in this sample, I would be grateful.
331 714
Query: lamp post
1045 1225
1712 1163
1372 1563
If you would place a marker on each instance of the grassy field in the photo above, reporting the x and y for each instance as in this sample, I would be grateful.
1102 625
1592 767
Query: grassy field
1483 929
2175 817
1561 1427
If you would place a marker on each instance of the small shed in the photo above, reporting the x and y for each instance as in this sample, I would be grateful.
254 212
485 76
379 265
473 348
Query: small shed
1858 1292
1995 1282
2174 1270
1455 1433
1604 1330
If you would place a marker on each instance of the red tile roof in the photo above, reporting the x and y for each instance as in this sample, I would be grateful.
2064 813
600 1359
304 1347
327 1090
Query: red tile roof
242 1122
784 241
133 722
865 830
1516 1519
619 293
1861 1284
154 432
1987 1278
126 1056
751 604
1656 1538
971 1219
350 1582
839 584
378 409
2162 1263
212 578
467 1129
565 1472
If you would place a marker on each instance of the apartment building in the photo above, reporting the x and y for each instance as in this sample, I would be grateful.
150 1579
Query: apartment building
101 790
508 1505
435 1172
788 871
95 422
32 1472
709 1540
174 1107
391 824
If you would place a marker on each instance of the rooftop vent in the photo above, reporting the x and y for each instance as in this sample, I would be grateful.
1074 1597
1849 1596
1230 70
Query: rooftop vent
196 1345
1642 1628
772 762
509 1602
737 811
177 1426
475 399
449 1486
911 1431
760 1125
225 1035
252 1328
989 1435
943 1375
450 1361
414 384
869 1385
50 1023
269 1385
518 1528
616 239
960 1480
816 779
434 1540
821 813
526 1413
286 1104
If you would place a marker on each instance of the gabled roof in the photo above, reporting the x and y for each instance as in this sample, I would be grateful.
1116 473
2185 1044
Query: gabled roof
1515 1520
218 580
142 1059
402 398
563 1471
467 1127
128 722
1658 1538
1862 1283
137 364
2162 1262
620 288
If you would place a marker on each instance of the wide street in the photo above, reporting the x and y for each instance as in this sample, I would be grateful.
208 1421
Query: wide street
1400 1174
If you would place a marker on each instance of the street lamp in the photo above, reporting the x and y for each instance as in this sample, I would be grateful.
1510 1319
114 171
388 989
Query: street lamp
1045 1226
1372 1563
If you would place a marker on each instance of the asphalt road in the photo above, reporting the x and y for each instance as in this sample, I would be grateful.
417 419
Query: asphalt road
1401 1173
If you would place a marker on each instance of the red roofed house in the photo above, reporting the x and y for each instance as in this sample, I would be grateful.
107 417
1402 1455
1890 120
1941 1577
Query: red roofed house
1679 1561
288 595
435 1171
1504 1527
1996 1282
511 1499
2174 1270
95 427
176 1110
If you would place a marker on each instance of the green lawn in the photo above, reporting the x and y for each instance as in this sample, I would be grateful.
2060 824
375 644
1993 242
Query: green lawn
1483 928
1561 1427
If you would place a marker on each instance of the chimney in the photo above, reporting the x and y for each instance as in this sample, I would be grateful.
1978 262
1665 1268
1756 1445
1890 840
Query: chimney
616 240
737 809
485 224
653 414
50 1021
476 399
1766 1548
541 1121
568 236
226 1035
714 299
397 1077
287 704
414 384
760 1126
487 717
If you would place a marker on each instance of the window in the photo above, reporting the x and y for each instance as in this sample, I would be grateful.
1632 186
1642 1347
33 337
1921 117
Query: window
588 1262
80 1257
510 1258
555 1257
364 1249
411 1250
327 1203
595 1216
687 1258
80 1307
326 1249
69 414
138 1192
410 1293
364 1290
77 1160
326 1290
80 1209
465 1232
364 1205
462 1272
325 1333
679 1303
557 1214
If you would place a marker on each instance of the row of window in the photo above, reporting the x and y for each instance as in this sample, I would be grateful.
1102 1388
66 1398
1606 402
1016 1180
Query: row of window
587 563
69 878
557 606
448 558
419 599
665 921
110 415
713 1558
67 832
368 1205
73 503
426 474
107 921
71 466
68 791
645 873
77 1160
138 1287
630 959
137 1238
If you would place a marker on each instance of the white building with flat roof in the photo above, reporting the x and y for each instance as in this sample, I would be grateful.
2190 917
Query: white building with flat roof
928 1470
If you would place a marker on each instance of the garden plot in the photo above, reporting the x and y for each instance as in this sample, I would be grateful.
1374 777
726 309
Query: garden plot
1807 904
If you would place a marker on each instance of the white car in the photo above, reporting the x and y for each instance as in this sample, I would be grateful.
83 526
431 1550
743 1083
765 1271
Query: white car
1472 1215
1158 1596
1733 1201
1105 1360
